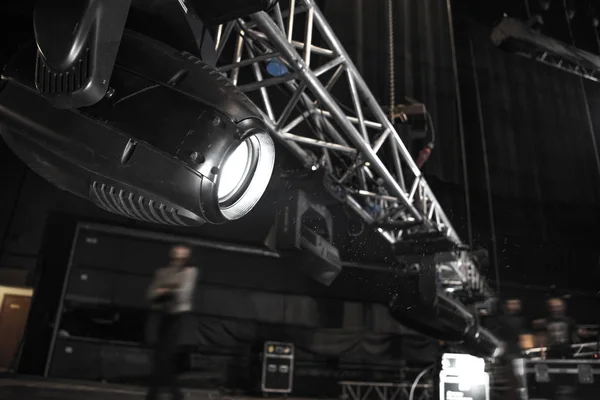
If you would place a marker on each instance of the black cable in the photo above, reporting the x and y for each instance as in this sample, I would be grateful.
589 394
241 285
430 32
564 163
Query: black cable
431 126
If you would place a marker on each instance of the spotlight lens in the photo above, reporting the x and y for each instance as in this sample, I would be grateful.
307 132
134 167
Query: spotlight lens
245 176
234 171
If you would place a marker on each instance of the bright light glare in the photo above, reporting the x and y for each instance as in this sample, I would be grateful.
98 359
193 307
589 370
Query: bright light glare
245 176
234 171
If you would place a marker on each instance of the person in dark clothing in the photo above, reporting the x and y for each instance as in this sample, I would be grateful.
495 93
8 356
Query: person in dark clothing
561 331
171 293
511 327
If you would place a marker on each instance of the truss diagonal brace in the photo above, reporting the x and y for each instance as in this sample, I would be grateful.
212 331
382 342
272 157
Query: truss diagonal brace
286 50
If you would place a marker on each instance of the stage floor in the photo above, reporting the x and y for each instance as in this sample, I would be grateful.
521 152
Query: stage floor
23 388
26 388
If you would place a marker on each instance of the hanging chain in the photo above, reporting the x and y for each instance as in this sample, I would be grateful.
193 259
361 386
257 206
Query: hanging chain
392 72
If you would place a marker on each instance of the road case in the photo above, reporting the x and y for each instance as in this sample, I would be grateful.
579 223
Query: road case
277 368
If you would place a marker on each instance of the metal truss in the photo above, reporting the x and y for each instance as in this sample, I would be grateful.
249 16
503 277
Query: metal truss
564 65
295 51
385 391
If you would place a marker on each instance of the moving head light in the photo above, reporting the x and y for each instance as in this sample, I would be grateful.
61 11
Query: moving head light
449 321
171 141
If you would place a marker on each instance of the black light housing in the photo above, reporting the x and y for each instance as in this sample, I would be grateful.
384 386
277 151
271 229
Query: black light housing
171 142
449 320
77 43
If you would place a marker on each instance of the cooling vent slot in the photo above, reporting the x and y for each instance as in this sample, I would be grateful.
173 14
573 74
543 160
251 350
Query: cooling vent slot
51 82
125 203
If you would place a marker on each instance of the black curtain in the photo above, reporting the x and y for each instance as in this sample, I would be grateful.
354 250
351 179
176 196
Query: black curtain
540 145
542 167
344 344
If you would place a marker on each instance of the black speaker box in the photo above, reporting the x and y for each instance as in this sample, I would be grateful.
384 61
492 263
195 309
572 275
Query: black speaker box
88 284
76 360
97 250
130 291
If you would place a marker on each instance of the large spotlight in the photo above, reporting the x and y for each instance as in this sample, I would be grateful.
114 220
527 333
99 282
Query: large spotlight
171 142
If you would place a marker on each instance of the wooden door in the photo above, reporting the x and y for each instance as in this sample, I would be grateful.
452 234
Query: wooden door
13 318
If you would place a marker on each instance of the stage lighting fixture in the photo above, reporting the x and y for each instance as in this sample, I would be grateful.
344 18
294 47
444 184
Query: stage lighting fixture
448 320
171 141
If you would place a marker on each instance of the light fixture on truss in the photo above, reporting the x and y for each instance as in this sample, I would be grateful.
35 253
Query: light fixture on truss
293 49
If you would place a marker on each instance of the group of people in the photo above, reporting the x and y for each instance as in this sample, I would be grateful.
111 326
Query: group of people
555 334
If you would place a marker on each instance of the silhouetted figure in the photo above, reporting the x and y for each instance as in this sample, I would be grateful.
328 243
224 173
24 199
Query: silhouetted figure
561 331
171 294
511 327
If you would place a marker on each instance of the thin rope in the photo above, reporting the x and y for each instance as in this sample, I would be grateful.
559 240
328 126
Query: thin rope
461 128
486 167
527 9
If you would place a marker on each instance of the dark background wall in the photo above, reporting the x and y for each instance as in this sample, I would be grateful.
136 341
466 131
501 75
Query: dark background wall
543 172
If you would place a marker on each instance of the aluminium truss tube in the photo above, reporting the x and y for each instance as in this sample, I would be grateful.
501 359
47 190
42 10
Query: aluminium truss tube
329 36
307 160
268 26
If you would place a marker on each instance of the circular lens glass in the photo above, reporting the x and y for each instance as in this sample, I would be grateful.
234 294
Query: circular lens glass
245 176
235 171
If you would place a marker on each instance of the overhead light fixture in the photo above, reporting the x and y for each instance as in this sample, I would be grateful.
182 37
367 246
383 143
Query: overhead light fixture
171 141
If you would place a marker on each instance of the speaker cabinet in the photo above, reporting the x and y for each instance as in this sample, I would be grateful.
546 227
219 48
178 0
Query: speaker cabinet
76 360
91 285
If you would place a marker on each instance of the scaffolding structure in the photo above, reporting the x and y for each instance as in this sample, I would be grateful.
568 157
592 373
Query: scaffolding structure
385 391
368 167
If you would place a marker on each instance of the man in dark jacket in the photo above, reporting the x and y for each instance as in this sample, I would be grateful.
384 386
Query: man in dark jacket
511 326
561 331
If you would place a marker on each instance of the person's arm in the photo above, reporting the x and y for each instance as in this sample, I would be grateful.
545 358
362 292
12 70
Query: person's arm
586 333
185 291
525 337
576 333
155 290
539 324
